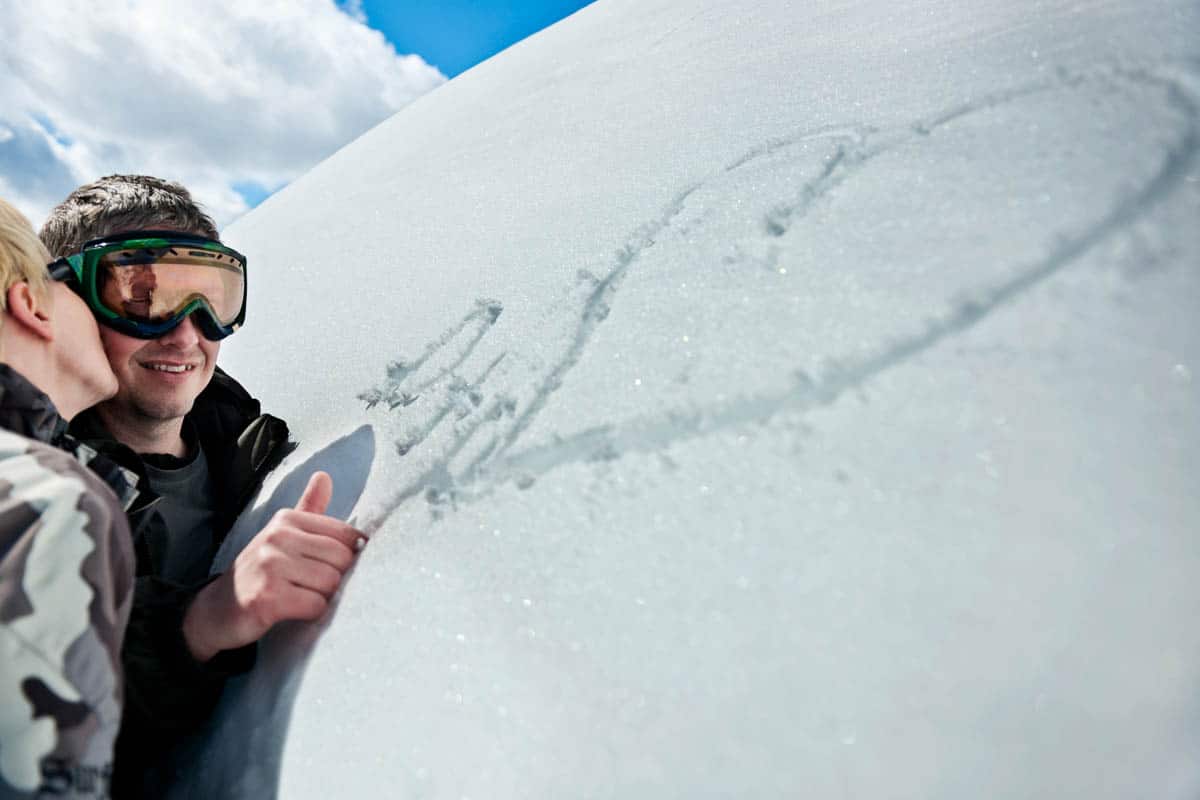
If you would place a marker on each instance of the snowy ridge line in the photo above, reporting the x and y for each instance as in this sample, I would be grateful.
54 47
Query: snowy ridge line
486 312
653 433
494 466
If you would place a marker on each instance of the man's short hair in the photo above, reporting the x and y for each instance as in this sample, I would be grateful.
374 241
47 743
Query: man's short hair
23 257
118 203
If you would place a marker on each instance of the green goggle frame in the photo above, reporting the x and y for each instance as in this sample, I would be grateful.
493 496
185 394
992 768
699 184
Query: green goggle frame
144 283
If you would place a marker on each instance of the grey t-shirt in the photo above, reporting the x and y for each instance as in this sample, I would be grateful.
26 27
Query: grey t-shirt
186 505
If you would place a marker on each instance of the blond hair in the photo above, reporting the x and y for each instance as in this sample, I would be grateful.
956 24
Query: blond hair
23 257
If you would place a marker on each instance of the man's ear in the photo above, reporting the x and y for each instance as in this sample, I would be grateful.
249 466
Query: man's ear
30 311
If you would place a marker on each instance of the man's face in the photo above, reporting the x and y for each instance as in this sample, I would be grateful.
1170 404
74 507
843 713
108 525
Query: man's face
159 379
77 341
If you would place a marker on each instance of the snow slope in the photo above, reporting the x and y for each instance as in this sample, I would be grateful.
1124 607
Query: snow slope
748 398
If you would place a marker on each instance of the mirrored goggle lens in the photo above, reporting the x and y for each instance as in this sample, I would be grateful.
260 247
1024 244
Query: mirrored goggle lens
155 284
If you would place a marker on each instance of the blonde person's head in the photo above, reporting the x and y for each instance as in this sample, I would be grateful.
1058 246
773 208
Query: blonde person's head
23 257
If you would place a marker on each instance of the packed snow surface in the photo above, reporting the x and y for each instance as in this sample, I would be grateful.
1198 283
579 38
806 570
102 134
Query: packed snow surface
747 399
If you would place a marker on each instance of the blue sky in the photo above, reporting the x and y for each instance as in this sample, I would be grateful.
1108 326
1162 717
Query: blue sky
91 89
454 35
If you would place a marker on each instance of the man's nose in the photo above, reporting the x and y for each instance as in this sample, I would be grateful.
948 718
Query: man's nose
183 336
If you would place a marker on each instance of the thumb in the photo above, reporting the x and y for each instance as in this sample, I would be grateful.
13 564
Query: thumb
317 494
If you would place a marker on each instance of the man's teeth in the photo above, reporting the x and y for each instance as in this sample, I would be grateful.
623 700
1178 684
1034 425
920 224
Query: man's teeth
171 368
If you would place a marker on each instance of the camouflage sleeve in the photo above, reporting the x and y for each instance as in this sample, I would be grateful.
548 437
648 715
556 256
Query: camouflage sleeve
66 578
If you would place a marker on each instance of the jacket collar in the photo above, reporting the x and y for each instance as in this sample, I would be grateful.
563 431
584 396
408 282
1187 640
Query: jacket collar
240 442
27 410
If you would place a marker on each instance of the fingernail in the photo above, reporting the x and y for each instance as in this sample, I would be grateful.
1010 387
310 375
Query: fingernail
360 543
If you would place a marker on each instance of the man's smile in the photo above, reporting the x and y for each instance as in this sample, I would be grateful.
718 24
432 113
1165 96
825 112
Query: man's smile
173 367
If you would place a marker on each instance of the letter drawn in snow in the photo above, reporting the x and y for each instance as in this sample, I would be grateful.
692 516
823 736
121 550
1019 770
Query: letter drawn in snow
466 469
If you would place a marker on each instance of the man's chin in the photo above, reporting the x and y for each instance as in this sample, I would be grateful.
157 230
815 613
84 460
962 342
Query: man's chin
166 402
162 412
162 409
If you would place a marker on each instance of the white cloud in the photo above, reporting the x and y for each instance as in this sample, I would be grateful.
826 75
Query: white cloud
212 93
355 9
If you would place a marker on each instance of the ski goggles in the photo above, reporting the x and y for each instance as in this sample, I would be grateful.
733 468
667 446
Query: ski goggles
144 283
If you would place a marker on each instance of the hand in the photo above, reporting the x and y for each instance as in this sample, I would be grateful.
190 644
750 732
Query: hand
290 570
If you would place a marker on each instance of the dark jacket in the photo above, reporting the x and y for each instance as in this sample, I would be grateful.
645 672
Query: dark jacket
168 693
66 584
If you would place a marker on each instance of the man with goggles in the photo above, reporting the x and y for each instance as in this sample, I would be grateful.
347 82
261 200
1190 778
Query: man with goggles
144 283
166 291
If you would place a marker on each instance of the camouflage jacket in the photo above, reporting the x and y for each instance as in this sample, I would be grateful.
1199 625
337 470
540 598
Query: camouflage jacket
66 586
